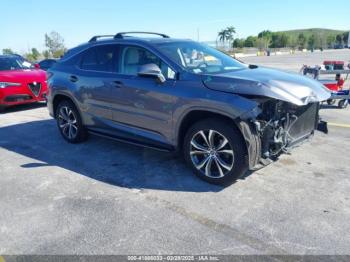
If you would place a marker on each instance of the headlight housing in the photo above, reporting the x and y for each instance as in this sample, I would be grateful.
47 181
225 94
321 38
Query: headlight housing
8 84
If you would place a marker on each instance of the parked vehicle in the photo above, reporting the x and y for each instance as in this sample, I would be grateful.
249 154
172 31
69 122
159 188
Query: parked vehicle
224 116
336 85
46 64
20 82
339 46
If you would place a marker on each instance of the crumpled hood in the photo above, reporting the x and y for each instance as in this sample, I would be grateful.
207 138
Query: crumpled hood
289 87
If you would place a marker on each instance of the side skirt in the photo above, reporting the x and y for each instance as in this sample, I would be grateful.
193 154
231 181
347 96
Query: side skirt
163 148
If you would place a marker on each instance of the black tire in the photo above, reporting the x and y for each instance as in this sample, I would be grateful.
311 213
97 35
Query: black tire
330 102
343 103
2 108
220 130
79 133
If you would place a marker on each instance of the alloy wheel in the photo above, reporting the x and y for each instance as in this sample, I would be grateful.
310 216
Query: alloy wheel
211 153
67 122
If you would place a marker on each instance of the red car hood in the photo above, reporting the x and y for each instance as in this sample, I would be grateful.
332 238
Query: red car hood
23 76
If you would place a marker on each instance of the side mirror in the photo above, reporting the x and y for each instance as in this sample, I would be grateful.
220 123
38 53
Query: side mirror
153 71
37 66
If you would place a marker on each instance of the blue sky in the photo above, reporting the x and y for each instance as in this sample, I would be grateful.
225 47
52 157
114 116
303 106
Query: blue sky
24 22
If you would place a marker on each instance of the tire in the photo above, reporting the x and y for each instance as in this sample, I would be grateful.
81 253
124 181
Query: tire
69 123
343 104
2 108
330 102
225 162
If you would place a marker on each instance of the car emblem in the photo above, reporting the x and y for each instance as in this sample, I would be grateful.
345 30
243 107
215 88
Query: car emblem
34 83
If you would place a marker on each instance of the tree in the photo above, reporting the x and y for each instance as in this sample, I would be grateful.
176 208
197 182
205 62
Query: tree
275 40
238 43
46 54
302 40
35 53
250 41
293 42
265 34
230 31
7 51
346 37
339 39
321 40
222 35
265 39
312 41
55 44
330 41
227 34
284 40
261 43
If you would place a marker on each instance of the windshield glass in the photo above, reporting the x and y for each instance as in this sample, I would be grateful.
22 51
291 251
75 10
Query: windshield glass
13 63
199 58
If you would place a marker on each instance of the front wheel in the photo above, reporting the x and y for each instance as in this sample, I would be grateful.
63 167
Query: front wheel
216 151
69 122
331 102
343 103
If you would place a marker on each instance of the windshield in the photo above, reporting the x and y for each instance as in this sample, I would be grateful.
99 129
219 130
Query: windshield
13 63
198 58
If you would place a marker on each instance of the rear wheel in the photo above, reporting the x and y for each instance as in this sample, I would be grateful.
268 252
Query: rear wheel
216 151
2 108
69 122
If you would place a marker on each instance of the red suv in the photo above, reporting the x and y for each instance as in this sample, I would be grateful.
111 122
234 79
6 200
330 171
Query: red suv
20 82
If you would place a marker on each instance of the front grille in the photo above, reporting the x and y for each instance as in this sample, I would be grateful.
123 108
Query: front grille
35 88
18 98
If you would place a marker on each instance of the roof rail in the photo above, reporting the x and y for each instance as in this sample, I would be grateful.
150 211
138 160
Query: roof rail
121 35
94 39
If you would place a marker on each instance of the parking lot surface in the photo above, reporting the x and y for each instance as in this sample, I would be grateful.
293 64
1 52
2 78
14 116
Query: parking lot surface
105 197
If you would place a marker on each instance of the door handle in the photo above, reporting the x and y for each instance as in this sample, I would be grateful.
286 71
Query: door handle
73 78
117 84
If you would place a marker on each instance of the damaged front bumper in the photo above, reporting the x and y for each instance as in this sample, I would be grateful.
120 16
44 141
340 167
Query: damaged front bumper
267 138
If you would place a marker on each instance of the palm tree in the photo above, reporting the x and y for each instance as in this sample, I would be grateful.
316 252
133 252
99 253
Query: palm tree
222 35
227 35
230 31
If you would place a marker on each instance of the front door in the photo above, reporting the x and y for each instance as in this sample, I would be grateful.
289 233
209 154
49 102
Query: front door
143 103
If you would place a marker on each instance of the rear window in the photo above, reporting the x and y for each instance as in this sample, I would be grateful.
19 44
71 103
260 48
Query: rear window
100 58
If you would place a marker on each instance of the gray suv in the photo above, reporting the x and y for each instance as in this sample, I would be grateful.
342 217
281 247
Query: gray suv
224 116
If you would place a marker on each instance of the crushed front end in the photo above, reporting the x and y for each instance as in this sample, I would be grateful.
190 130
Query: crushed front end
282 126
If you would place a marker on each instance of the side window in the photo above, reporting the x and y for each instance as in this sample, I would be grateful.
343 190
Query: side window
133 57
100 58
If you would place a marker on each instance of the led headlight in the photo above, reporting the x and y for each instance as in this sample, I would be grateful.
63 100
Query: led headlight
8 84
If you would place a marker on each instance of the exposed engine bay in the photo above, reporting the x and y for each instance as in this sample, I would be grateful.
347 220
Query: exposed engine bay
282 125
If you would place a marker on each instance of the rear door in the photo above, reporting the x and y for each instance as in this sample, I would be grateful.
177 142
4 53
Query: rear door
97 70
